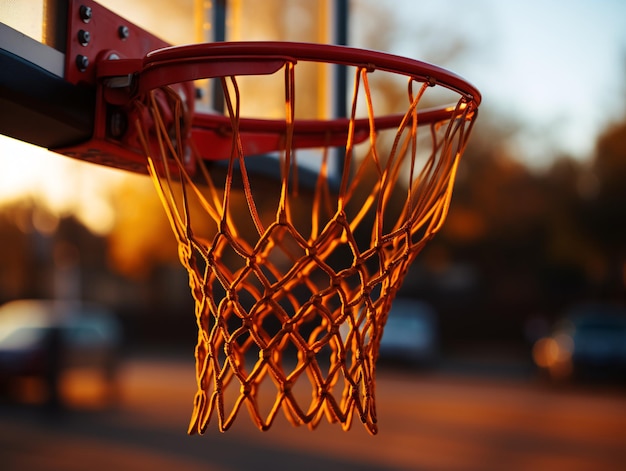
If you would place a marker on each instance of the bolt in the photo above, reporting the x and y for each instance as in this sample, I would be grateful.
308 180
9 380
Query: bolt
84 37
85 13
82 62
123 32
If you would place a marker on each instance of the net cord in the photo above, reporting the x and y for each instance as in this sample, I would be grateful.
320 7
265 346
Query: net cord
353 362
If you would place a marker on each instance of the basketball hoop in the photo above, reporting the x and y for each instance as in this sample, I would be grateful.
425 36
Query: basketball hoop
290 313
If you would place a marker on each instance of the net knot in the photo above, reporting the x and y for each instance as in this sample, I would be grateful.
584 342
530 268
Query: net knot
286 386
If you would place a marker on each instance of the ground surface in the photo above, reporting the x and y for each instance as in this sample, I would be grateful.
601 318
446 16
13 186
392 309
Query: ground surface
438 421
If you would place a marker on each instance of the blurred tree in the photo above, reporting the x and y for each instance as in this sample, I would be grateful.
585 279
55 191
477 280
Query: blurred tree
603 211
47 256
141 237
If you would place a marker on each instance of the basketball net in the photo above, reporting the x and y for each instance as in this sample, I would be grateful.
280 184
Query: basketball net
290 313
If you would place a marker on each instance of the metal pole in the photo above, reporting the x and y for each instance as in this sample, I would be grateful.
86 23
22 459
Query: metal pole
219 20
340 106
219 35
55 24
341 38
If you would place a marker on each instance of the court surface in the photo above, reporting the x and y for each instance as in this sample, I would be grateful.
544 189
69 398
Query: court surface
437 421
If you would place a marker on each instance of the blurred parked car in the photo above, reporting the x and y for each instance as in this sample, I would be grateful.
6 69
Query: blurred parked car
44 338
588 343
410 334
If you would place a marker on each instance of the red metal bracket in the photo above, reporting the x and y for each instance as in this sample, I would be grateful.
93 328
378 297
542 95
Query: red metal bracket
96 34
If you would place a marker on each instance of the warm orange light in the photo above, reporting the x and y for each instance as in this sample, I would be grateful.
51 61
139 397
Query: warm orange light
58 185
555 355
542 355
25 17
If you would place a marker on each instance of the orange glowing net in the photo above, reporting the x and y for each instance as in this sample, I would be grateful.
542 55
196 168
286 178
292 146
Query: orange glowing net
292 287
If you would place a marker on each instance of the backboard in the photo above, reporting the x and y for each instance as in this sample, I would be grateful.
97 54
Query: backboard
48 99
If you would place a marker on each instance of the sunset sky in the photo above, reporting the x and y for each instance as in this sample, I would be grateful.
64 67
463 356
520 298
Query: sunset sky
557 66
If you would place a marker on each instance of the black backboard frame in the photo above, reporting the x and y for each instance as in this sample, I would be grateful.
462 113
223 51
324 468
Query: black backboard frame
38 105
